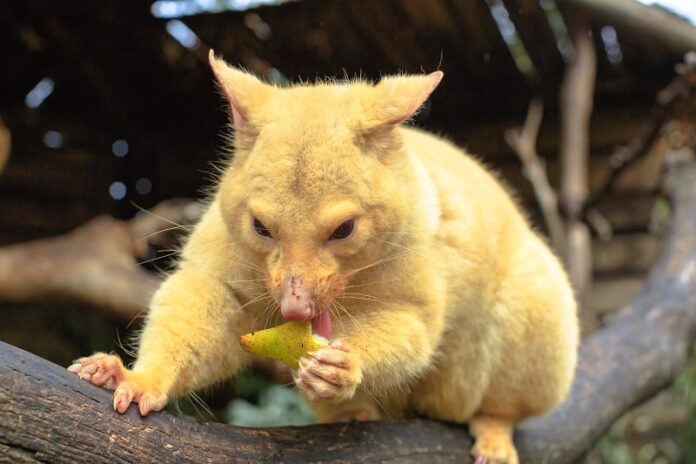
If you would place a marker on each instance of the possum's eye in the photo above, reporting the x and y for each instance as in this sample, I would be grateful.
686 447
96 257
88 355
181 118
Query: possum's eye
343 231
260 229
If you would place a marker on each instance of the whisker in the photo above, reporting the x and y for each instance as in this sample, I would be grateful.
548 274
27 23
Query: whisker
413 250
372 300
376 282
140 315
333 310
376 263
202 404
366 295
143 210
260 297
192 403
120 344
162 231
352 318
244 286
157 258
267 313
374 397
246 280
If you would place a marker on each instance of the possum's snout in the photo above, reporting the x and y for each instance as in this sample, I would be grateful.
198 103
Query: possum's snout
298 303
296 300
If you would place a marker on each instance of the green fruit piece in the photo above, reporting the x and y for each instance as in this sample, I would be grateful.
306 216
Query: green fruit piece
287 342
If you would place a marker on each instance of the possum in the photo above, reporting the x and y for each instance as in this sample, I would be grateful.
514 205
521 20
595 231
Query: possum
438 297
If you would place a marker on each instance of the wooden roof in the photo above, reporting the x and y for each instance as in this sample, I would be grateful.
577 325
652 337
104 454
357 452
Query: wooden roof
119 75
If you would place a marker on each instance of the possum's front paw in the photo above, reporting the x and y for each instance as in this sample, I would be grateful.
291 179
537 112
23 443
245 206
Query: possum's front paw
330 374
107 370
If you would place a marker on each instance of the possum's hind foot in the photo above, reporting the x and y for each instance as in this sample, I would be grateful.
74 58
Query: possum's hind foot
493 441
106 370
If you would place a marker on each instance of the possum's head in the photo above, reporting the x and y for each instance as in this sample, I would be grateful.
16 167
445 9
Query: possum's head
317 191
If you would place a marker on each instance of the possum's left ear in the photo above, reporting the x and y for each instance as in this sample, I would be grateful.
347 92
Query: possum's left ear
243 90
397 98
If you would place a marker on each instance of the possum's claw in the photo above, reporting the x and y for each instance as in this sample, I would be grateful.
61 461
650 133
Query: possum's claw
105 370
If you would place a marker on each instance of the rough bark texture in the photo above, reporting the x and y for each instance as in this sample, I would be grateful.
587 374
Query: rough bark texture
49 415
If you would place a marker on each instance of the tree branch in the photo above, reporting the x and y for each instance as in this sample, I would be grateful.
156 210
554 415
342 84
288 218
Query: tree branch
577 92
523 143
96 263
47 414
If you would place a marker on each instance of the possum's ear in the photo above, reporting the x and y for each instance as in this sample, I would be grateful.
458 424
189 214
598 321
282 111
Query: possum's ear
397 98
243 91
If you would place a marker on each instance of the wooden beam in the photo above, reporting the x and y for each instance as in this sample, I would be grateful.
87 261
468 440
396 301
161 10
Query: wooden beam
646 21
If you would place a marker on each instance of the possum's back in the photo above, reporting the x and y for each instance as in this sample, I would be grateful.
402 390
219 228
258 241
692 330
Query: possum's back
471 199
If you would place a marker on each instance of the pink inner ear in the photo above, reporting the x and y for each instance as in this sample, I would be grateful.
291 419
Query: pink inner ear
434 79
239 119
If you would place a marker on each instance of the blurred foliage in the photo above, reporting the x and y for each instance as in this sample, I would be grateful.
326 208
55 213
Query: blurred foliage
652 434
261 403
277 406
686 382
248 400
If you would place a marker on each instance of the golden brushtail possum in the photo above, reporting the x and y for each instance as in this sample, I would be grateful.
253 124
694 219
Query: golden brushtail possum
437 297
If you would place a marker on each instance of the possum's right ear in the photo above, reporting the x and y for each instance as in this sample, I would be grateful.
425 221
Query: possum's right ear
243 91
391 102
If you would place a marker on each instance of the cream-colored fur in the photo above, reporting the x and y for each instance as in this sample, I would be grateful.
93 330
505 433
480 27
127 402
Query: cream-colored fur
444 301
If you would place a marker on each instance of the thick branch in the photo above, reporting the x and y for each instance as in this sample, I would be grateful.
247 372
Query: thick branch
47 414
641 351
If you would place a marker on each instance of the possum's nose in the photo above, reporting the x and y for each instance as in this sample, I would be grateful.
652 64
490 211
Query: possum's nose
296 300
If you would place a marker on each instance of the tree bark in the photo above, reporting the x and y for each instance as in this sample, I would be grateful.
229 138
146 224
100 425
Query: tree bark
49 415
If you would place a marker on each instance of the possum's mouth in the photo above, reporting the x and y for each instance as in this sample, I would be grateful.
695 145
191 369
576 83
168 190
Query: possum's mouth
321 324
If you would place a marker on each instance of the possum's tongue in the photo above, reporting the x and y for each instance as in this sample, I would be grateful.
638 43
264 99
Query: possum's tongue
321 325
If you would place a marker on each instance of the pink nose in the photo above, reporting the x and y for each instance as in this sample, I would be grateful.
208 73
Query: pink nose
296 301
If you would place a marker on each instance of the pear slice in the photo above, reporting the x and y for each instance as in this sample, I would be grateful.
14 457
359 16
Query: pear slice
287 342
